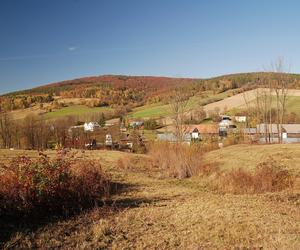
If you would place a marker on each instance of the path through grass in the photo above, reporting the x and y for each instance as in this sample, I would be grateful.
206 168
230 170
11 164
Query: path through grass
155 213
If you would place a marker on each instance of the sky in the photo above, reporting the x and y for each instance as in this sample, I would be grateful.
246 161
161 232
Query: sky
44 41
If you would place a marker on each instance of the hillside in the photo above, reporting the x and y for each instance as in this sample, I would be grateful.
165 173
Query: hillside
163 213
149 82
141 96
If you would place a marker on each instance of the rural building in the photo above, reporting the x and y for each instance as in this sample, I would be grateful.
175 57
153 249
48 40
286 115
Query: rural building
202 130
91 126
290 132
126 142
240 118
190 133
108 140
136 124
171 137
226 126
195 134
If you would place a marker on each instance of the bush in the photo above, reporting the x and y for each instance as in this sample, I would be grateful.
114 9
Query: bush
43 185
150 124
176 160
266 178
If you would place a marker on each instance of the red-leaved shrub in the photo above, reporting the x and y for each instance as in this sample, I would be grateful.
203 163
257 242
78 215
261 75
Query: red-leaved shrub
45 185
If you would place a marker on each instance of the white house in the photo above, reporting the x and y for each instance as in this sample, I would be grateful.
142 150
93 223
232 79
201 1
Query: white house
240 118
108 140
91 126
226 125
195 134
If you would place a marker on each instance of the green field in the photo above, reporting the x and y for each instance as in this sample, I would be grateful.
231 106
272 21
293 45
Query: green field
78 110
292 105
163 110
151 111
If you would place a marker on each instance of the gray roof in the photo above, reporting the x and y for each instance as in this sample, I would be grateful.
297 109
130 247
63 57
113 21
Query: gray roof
292 128
172 137
288 128
249 130
167 137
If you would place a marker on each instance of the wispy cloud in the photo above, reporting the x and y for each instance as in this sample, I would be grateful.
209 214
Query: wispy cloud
73 48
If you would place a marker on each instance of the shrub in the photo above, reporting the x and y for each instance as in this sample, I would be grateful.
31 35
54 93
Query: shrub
266 178
176 160
150 124
124 162
43 185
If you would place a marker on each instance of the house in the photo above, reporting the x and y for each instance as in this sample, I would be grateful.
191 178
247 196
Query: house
126 142
290 132
91 126
202 130
190 132
136 124
171 137
226 126
108 140
195 134
225 121
240 118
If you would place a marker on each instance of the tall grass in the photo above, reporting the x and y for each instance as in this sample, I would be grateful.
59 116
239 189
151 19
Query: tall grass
176 160
43 185
182 161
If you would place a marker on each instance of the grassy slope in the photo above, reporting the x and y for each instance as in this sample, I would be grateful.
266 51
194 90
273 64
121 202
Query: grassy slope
156 213
75 110
293 104
163 110
249 156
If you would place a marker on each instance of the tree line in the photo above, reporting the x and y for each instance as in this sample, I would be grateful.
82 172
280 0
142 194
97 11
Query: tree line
36 132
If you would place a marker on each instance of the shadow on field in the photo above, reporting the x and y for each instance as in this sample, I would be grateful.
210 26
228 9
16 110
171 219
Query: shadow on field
10 224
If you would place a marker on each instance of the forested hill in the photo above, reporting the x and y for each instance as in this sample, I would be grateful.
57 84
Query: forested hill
150 83
119 82
119 90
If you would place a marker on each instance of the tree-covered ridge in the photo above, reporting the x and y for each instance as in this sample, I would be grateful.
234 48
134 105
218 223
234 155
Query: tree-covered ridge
133 91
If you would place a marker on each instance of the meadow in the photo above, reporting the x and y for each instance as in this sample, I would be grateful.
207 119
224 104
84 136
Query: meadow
164 110
293 104
154 211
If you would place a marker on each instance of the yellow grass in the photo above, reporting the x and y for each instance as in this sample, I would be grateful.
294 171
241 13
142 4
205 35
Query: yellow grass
154 213
249 156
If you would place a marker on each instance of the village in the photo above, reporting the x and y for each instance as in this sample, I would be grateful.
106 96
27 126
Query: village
118 136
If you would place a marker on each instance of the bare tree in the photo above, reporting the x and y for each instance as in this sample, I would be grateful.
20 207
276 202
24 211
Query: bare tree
6 125
279 84
29 130
179 107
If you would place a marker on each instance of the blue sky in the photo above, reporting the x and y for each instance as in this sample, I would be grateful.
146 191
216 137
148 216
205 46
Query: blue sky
44 41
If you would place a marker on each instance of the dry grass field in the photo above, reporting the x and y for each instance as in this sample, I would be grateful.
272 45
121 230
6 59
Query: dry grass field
238 100
152 212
